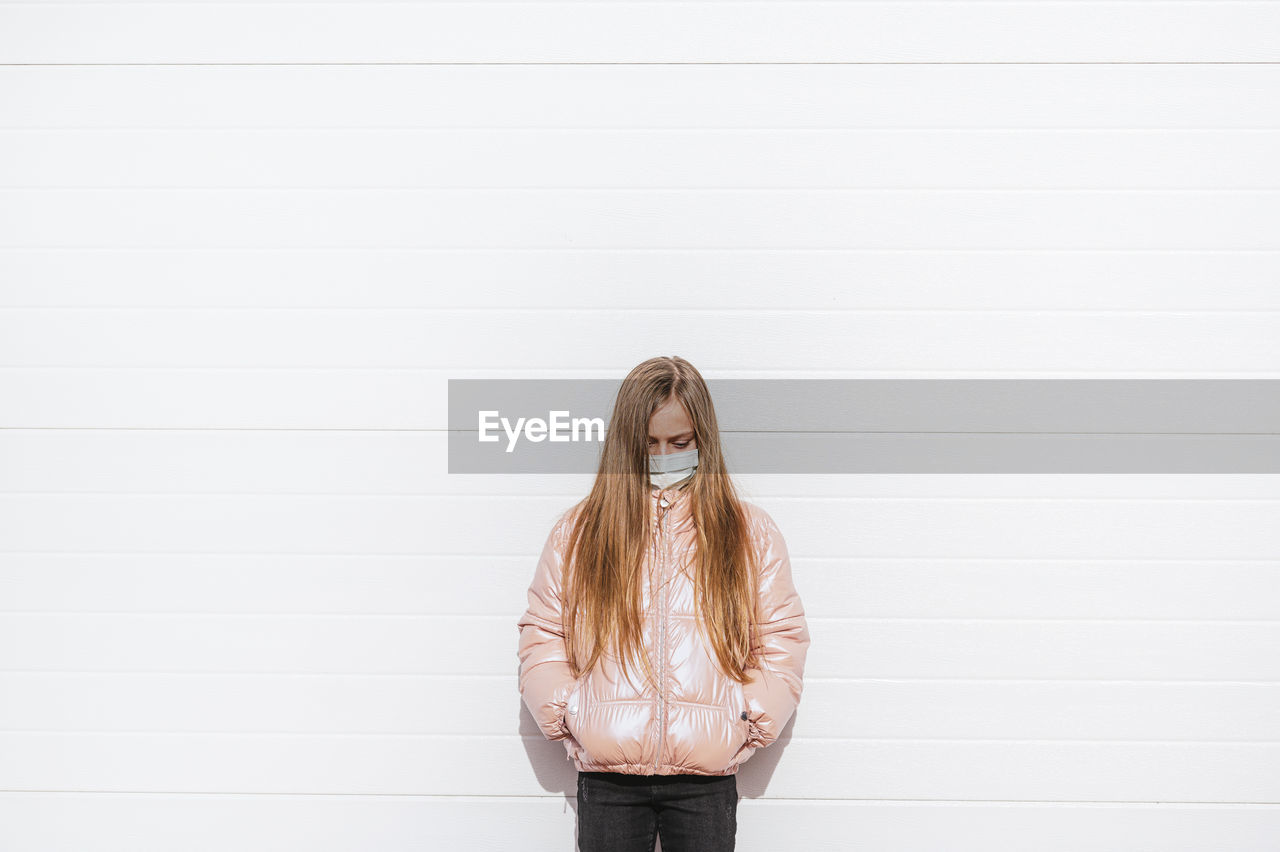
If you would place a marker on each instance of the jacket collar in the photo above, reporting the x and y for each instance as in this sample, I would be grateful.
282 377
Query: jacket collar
674 502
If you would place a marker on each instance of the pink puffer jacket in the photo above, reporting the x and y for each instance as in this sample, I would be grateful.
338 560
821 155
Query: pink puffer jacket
700 722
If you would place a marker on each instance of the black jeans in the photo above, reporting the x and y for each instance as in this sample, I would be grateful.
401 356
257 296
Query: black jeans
625 813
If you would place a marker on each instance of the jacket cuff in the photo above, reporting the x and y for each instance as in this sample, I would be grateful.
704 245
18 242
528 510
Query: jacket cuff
556 729
755 735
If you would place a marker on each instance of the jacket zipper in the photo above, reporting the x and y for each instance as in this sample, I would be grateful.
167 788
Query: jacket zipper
662 643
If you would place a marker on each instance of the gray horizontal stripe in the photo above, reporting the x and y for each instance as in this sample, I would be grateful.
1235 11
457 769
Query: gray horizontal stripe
912 425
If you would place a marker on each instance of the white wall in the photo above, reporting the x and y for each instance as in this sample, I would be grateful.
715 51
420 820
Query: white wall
243 247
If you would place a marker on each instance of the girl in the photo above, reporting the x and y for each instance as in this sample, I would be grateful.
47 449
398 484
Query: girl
664 570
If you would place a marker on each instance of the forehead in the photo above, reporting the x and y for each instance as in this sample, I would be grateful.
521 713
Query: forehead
670 421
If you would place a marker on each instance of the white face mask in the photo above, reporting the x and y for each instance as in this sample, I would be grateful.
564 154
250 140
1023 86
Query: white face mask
667 470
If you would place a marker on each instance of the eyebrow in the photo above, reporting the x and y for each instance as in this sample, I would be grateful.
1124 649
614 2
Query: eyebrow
688 434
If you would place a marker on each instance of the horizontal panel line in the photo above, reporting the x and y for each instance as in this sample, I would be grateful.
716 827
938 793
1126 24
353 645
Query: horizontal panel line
60 249
571 309
603 372
112 673
778 3
313 249
1038 741
1163 804
628 129
880 681
1019 560
629 188
330 554
836 557
539 737
636 250
807 498
545 64
514 618
638 128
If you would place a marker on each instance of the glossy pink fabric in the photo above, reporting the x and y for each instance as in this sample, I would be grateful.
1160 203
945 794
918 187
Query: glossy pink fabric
694 724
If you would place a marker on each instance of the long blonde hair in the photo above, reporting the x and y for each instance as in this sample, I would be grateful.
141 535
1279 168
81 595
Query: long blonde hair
604 570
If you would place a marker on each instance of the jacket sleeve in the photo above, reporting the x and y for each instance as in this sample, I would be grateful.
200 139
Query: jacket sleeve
545 679
773 692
